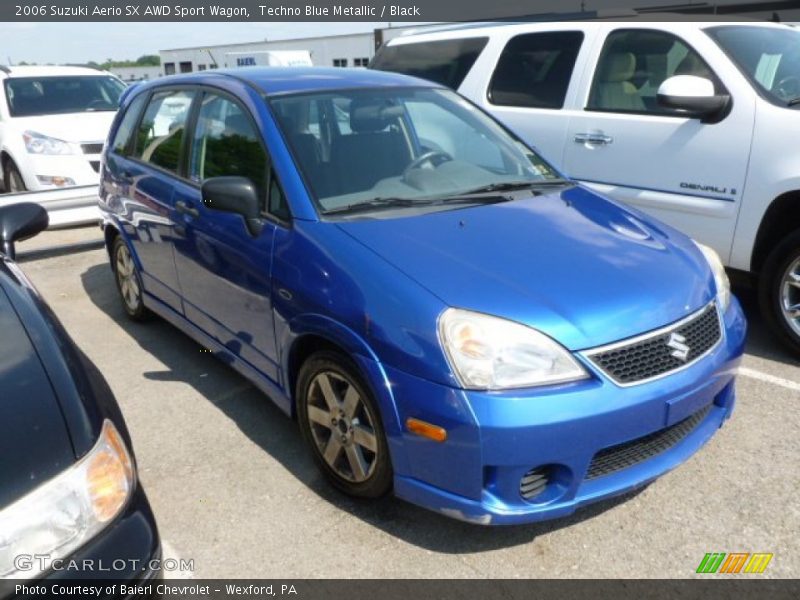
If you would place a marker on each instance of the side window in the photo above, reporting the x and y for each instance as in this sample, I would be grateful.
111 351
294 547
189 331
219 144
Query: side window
277 201
122 139
161 131
633 65
535 69
226 143
445 62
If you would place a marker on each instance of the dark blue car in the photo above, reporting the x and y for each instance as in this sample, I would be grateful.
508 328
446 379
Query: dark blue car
443 313
71 506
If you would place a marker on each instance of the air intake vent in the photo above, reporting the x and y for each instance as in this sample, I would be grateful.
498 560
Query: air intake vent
533 483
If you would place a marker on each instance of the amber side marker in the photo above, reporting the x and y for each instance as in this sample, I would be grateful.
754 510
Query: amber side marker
432 432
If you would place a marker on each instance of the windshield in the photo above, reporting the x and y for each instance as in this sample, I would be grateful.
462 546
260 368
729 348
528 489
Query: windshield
769 57
361 147
37 96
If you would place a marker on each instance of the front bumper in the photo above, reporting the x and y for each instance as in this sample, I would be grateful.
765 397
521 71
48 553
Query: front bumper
495 438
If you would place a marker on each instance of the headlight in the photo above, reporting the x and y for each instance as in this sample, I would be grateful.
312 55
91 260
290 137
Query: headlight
487 352
61 515
36 143
720 277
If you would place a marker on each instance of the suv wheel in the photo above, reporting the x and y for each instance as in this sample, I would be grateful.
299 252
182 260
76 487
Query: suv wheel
340 422
12 179
129 284
779 291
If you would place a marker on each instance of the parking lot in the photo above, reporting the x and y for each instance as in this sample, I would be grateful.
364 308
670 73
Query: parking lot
234 489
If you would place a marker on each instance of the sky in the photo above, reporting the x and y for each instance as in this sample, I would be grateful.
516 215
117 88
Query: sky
82 42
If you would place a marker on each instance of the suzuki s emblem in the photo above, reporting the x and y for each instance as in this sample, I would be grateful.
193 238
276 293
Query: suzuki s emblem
681 350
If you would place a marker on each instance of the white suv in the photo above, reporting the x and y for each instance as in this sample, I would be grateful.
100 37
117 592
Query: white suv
695 123
53 123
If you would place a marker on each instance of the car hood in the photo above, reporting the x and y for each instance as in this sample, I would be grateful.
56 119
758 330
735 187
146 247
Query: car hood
35 444
72 127
578 267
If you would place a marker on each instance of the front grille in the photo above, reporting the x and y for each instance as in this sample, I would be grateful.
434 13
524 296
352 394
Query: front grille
533 483
96 148
630 453
666 350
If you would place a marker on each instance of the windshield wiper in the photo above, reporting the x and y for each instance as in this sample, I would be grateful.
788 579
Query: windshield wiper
376 204
793 101
511 186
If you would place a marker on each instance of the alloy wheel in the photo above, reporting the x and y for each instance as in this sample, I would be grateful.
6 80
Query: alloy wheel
790 295
126 278
342 427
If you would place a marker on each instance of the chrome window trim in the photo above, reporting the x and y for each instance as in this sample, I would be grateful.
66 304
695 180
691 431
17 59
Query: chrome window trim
588 354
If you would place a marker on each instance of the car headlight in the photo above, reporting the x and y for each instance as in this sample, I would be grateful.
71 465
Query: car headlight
721 281
490 353
61 515
36 143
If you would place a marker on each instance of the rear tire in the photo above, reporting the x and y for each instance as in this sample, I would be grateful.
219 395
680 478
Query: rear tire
779 291
12 178
129 283
341 424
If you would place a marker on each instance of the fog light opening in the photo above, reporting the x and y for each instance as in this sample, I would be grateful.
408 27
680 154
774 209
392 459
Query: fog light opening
534 482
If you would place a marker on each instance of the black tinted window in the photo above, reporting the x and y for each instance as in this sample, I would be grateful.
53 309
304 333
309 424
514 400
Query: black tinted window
535 69
446 62
122 139
226 143
160 134
33 96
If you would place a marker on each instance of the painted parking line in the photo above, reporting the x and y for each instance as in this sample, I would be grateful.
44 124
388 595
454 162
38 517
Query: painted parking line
784 383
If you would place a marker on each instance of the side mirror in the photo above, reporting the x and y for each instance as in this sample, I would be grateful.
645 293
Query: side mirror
694 96
236 195
19 222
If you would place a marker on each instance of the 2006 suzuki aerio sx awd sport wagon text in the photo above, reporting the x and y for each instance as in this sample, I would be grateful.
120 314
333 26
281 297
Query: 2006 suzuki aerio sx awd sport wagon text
443 313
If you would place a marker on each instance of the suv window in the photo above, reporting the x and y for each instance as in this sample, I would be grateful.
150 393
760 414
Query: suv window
227 143
160 133
634 63
535 69
122 140
445 62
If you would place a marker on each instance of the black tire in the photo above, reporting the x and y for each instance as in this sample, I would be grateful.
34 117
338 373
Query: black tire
346 472
128 280
12 178
771 286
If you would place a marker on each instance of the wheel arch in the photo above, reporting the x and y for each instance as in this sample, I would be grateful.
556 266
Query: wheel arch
781 219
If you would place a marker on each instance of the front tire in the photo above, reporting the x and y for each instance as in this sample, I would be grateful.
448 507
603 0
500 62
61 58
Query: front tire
129 283
779 291
341 424
12 178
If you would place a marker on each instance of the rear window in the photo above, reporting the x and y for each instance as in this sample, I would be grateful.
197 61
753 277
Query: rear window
446 62
535 69
36 96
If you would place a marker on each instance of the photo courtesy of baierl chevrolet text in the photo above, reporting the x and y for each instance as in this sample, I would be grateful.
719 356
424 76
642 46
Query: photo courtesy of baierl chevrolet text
425 299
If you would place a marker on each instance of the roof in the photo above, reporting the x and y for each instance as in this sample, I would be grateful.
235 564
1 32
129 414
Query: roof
47 71
284 80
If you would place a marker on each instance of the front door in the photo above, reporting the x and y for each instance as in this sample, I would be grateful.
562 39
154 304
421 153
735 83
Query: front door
687 172
224 269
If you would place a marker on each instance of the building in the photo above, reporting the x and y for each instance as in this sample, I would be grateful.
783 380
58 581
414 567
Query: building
132 74
348 50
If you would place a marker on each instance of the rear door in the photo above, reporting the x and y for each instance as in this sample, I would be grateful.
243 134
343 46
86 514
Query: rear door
529 81
689 173
224 269
141 174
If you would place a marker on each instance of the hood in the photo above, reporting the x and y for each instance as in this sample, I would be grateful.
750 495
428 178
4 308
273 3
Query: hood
578 267
35 445
72 127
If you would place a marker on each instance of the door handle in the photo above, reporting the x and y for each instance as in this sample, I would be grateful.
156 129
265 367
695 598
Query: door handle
596 138
186 209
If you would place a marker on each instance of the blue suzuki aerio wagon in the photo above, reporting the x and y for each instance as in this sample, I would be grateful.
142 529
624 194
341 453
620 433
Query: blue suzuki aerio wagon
443 313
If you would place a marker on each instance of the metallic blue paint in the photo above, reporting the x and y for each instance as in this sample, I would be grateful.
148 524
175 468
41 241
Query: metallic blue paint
585 270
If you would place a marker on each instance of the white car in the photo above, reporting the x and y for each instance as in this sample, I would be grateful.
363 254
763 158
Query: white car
53 123
695 123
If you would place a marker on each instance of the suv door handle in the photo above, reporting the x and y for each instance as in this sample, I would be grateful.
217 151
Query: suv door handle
185 209
597 138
